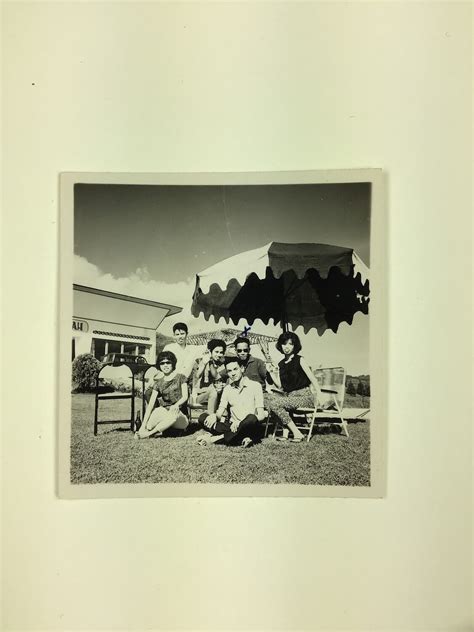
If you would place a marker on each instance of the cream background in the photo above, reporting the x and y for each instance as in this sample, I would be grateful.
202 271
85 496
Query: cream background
196 87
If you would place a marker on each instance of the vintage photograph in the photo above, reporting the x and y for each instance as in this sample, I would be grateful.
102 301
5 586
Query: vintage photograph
220 334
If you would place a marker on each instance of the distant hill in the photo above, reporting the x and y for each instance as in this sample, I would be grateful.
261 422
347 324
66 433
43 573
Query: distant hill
358 378
162 341
359 384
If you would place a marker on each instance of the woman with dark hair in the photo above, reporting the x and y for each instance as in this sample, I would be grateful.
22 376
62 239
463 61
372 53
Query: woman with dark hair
295 380
172 392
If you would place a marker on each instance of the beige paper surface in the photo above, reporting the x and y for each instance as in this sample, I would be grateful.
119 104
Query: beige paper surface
248 87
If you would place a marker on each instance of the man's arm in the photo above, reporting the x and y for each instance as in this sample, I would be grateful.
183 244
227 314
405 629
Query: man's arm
213 417
263 373
258 402
223 405
203 362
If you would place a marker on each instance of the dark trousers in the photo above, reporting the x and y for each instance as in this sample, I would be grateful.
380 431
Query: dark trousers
248 427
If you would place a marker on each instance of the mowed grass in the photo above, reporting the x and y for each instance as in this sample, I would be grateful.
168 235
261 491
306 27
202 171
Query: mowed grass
115 456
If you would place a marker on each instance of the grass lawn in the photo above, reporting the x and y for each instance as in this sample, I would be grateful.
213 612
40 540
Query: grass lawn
114 456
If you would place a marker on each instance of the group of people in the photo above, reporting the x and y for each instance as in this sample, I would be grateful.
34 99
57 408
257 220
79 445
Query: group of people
237 390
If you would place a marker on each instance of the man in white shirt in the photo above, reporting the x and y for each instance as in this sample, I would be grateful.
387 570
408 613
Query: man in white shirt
244 399
185 354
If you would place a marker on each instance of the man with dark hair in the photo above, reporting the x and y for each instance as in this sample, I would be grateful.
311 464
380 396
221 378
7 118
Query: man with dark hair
243 398
254 368
185 354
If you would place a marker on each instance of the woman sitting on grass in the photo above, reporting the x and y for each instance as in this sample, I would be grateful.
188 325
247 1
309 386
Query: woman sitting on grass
295 378
171 390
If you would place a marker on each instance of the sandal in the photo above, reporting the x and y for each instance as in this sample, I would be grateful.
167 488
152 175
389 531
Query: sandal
204 439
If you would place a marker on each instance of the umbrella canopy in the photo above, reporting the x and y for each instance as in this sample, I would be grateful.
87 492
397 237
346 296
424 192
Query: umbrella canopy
309 285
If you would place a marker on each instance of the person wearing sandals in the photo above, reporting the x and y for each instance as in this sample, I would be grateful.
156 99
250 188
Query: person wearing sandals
295 377
243 398
171 391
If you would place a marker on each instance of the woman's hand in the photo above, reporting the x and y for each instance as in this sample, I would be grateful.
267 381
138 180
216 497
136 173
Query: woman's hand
234 426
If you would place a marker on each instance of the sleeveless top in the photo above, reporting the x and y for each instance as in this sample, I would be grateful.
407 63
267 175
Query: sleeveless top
292 376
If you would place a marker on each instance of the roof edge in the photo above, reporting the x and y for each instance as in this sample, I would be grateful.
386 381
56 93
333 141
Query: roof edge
172 309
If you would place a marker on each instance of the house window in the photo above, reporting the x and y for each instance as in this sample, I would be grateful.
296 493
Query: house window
130 347
114 346
98 347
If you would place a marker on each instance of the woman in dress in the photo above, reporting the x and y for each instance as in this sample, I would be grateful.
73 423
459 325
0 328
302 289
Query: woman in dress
295 378
172 393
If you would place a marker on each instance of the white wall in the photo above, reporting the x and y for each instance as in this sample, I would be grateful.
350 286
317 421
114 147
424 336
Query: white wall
240 87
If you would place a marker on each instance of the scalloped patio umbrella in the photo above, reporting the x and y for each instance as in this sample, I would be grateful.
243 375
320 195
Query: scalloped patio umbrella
310 285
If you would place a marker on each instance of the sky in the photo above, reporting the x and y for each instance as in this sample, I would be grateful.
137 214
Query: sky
150 241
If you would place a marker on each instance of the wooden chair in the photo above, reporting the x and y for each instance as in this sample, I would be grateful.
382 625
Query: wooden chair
119 374
332 382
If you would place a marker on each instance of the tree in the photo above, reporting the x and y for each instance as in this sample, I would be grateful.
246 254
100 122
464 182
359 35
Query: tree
85 369
162 341
350 388
360 388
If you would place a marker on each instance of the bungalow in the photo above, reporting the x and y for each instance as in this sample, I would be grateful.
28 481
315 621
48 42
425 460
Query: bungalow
106 322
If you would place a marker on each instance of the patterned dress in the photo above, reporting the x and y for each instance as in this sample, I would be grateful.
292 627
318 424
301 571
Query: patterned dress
295 384
169 391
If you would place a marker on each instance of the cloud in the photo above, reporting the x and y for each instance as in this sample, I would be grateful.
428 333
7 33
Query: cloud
140 285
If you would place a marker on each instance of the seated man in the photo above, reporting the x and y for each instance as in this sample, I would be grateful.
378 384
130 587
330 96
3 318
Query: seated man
244 399
254 368
212 374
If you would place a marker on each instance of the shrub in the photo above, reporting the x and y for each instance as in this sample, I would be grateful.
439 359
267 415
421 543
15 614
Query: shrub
85 369
350 389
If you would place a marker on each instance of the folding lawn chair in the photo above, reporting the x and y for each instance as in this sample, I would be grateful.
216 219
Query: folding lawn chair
332 382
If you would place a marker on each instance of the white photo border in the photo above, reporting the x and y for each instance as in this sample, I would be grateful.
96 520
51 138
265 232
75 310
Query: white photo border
378 336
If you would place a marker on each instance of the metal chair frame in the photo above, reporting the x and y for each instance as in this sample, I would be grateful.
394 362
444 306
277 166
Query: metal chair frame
134 419
312 416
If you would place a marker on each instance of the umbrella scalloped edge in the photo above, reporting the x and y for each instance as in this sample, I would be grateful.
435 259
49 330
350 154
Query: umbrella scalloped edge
236 281
207 313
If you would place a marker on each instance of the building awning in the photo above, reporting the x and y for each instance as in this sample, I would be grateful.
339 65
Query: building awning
110 307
